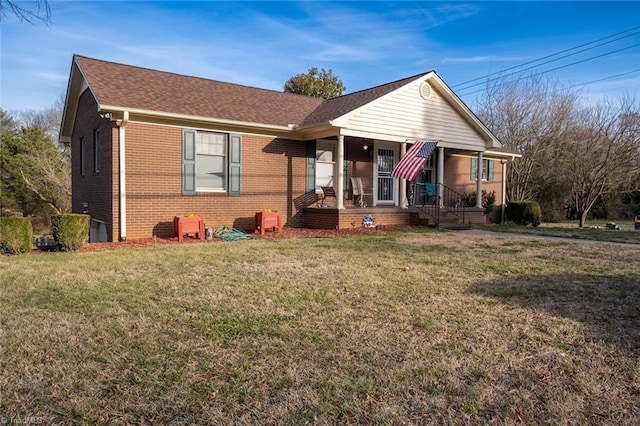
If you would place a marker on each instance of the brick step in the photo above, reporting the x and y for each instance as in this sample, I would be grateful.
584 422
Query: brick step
447 221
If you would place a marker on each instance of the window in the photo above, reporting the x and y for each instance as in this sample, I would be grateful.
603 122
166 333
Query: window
487 169
325 161
96 151
210 162
426 173
82 155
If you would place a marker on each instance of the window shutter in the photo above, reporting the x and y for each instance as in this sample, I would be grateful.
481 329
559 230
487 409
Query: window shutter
311 166
188 162
474 169
491 162
235 163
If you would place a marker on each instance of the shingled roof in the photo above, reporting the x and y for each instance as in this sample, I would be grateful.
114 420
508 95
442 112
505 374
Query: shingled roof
126 86
131 87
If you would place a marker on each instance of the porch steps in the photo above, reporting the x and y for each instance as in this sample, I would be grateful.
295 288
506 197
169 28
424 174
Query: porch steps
447 220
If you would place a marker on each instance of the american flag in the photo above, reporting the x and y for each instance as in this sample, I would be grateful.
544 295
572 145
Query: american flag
410 164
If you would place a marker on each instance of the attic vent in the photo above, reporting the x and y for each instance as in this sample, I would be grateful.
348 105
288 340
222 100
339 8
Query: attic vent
425 90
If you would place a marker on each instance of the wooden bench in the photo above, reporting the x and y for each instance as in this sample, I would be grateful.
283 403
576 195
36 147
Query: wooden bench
327 191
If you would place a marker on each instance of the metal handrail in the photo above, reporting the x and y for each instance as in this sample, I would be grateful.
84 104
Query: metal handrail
445 197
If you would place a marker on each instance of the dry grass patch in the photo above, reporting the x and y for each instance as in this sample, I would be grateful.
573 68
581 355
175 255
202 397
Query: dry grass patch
397 328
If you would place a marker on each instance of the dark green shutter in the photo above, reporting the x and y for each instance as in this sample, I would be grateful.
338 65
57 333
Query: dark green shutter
235 164
188 162
474 169
490 164
311 166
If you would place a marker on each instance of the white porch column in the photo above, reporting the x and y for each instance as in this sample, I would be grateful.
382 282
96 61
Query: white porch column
504 189
479 182
440 175
339 180
403 182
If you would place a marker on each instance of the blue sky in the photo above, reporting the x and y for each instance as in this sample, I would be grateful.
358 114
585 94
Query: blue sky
262 44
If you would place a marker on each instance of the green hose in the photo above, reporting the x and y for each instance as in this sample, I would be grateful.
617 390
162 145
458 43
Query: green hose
231 234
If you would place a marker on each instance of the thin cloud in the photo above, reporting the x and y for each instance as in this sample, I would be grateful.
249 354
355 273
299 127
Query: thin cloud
478 59
51 76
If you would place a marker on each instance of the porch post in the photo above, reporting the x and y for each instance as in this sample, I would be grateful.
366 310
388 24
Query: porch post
479 182
339 181
403 182
504 189
440 175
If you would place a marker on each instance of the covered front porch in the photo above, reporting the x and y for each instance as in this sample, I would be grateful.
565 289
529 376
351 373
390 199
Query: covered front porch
353 217
445 190
367 139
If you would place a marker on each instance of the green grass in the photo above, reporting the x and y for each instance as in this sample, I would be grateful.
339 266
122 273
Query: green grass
382 328
592 231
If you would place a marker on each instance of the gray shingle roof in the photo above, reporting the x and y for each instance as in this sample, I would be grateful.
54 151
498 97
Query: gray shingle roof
132 87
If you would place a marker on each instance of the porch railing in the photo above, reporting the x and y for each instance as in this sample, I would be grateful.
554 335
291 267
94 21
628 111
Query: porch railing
444 199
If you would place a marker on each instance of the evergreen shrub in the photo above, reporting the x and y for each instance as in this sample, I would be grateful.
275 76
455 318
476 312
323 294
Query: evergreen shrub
70 230
16 235
524 212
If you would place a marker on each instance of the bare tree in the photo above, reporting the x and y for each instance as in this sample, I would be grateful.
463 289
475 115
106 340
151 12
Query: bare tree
601 154
528 115
48 119
41 11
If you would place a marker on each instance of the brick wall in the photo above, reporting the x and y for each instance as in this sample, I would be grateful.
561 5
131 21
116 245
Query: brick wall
330 218
457 176
94 192
273 175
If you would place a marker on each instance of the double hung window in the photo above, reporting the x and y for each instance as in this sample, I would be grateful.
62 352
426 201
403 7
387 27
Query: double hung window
210 162
487 169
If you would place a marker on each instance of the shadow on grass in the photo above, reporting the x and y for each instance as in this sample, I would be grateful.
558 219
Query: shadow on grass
609 306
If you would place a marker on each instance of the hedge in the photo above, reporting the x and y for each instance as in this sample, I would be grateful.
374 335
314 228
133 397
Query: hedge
70 230
16 235
524 212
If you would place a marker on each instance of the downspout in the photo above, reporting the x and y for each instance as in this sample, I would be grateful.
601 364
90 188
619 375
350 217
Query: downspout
122 174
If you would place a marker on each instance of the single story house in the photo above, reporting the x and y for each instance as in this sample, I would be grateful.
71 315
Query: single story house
148 146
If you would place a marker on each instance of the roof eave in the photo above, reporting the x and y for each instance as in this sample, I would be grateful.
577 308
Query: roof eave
194 119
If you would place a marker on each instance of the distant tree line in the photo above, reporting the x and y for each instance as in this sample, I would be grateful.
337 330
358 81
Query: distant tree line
578 160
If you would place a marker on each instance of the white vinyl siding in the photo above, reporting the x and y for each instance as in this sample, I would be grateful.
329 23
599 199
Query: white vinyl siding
405 112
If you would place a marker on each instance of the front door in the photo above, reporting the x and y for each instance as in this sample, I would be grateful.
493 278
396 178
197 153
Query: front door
385 191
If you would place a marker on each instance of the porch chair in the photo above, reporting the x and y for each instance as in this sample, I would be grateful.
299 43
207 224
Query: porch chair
358 191
429 192
327 191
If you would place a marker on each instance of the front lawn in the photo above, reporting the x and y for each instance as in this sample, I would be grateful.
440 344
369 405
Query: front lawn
596 231
382 328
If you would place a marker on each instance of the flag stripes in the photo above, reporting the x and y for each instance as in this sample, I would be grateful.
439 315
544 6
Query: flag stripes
410 164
